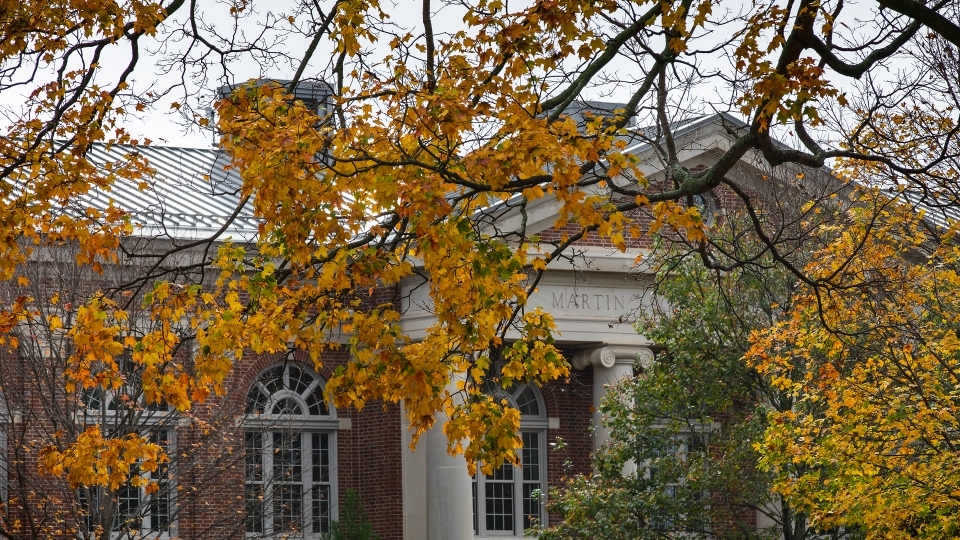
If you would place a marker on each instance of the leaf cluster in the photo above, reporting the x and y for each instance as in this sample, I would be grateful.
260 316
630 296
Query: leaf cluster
683 453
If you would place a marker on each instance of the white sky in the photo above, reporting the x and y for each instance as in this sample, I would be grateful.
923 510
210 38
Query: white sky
163 127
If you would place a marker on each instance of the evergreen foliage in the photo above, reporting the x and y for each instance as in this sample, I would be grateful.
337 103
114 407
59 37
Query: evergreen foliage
353 524
683 457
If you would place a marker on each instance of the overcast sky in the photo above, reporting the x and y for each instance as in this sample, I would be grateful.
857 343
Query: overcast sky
163 127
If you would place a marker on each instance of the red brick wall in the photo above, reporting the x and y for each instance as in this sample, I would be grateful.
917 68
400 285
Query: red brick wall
368 454
209 460
570 401
723 198
592 239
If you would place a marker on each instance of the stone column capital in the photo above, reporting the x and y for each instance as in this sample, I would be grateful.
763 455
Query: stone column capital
610 355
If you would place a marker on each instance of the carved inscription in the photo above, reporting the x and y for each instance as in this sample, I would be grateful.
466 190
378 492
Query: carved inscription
592 302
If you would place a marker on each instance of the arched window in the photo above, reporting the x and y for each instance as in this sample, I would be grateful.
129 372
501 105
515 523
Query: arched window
706 206
511 500
289 442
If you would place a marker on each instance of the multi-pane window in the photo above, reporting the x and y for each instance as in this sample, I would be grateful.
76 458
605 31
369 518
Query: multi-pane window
511 499
686 504
140 511
4 463
289 443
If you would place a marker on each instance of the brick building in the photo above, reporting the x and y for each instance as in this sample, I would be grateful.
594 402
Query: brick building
272 459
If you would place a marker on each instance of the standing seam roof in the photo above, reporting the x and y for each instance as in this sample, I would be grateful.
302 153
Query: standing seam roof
190 195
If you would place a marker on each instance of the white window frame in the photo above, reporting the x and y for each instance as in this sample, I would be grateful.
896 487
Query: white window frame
706 205
305 426
145 501
6 421
153 420
681 449
529 424
48 344
4 467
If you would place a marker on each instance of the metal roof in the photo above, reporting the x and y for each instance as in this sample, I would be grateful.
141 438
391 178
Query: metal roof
940 210
190 195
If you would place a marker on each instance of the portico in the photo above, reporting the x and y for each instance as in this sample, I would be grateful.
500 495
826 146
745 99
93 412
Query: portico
595 313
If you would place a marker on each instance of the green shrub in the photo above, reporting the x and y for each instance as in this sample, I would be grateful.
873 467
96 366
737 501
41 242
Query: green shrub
353 524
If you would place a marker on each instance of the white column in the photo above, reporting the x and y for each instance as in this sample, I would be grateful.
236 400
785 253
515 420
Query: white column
449 489
437 491
414 474
611 364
